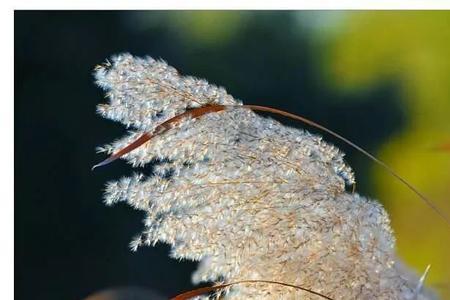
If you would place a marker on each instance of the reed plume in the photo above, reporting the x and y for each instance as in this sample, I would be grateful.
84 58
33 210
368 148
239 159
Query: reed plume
247 197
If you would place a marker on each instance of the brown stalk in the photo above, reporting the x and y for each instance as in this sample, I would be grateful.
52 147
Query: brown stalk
210 108
160 129
204 290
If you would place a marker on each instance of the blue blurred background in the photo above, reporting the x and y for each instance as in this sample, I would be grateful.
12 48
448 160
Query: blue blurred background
381 79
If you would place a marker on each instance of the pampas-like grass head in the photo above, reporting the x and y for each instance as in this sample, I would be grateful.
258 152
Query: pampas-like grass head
247 197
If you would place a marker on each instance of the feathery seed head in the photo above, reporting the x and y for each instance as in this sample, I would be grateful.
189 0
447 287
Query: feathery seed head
245 195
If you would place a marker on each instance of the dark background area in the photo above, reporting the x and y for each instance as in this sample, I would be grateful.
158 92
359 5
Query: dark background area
68 244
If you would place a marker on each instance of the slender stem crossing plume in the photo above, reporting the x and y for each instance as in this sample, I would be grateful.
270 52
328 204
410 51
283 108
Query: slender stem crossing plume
198 112
204 290
252 200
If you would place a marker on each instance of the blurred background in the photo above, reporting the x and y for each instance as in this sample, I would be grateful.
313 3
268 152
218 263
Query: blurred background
381 79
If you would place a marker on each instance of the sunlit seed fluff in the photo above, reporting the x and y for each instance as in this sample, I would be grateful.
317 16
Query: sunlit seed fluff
245 195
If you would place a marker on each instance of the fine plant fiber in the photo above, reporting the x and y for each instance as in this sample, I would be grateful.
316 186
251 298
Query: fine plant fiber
247 197
204 290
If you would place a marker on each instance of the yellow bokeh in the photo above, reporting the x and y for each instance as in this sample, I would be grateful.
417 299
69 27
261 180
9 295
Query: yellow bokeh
412 49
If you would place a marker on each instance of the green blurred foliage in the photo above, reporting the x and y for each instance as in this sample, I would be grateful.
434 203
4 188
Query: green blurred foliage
413 50
208 28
